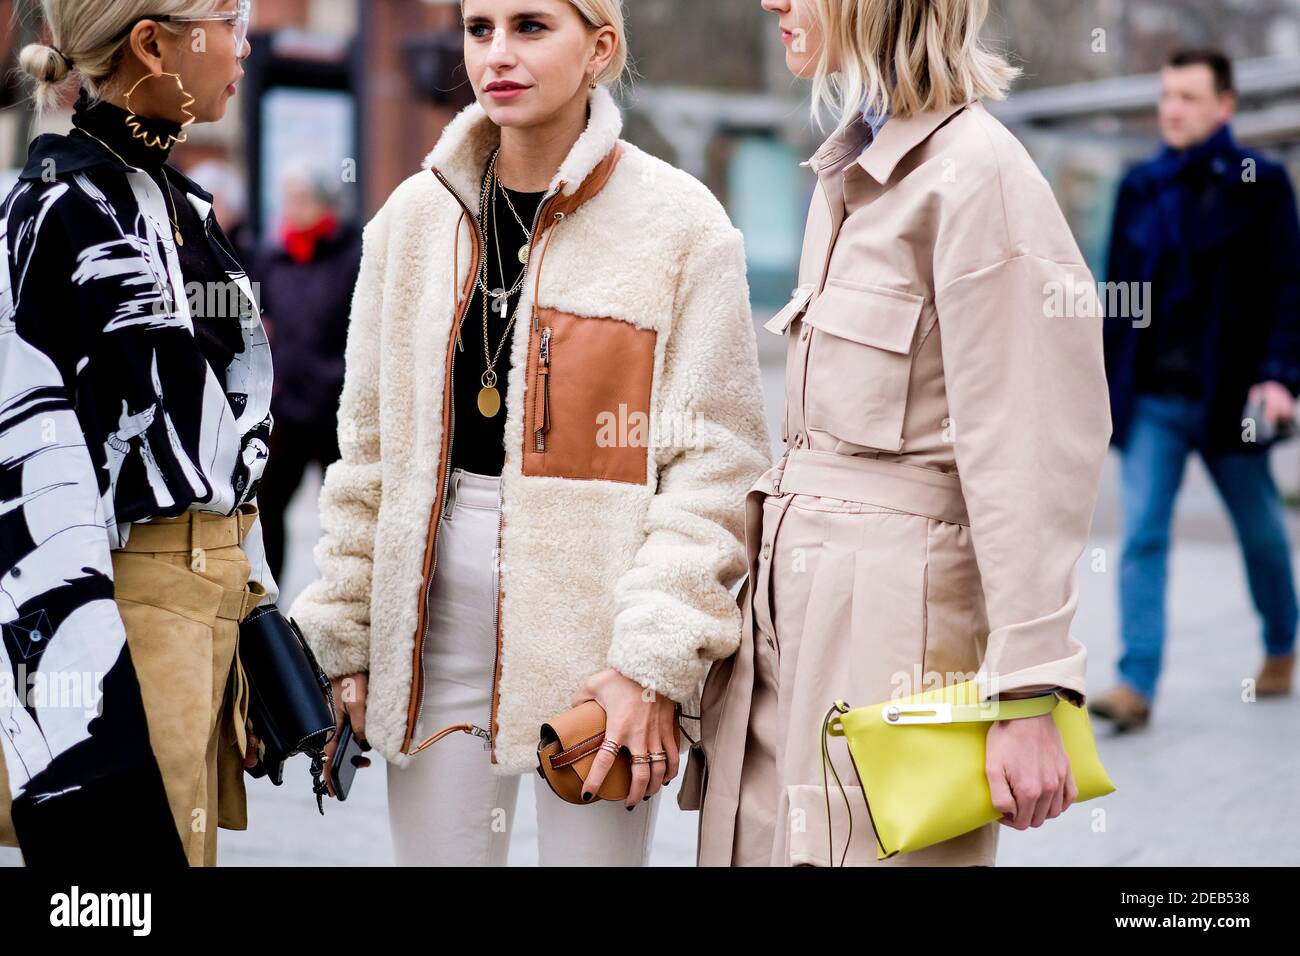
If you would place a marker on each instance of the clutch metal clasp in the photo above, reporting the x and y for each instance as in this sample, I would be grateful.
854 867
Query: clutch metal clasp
899 714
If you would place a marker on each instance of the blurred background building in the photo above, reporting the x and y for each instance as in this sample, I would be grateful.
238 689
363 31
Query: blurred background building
366 86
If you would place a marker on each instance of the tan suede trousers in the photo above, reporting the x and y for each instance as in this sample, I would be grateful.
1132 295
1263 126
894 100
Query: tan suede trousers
182 587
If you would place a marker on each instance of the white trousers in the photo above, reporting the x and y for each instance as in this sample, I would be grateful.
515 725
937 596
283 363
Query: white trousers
447 807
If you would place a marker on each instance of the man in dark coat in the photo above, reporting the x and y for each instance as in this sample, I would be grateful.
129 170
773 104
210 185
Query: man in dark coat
1206 235
306 280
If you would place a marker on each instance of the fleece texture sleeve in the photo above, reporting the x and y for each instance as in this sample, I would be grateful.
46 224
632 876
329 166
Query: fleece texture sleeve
675 610
334 611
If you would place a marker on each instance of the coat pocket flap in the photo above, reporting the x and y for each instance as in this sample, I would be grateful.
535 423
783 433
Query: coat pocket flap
781 321
868 315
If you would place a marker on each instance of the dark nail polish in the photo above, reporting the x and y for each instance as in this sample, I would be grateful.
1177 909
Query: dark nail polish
586 798
630 809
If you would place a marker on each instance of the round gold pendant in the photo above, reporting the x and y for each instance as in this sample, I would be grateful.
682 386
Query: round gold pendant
489 402
524 251
180 241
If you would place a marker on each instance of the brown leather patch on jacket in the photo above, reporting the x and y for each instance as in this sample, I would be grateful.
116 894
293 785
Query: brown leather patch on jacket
587 401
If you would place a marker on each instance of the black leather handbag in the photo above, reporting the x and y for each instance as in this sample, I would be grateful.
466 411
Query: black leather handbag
291 701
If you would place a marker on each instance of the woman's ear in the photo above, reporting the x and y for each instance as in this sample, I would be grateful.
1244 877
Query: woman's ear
145 44
606 47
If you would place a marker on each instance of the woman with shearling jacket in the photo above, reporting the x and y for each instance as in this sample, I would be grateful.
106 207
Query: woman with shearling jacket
550 417
945 430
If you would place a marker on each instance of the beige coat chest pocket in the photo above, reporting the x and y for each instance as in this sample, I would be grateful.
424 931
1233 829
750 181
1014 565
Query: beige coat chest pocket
587 400
860 362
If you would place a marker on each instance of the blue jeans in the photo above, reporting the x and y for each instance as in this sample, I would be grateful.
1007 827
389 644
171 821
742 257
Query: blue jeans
1163 434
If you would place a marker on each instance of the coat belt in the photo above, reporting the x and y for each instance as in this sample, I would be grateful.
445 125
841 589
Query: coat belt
889 484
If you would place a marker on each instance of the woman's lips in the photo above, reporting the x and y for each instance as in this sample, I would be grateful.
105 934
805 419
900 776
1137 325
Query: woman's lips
231 90
507 92
787 36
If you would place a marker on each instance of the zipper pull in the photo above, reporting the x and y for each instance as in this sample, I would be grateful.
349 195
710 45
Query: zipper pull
544 384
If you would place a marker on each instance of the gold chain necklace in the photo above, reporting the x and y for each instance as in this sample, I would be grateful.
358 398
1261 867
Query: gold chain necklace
526 249
167 191
487 197
489 398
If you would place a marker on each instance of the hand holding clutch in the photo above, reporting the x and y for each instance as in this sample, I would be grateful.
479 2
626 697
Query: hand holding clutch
568 749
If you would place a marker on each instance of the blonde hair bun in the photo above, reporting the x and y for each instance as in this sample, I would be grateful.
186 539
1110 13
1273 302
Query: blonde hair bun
43 63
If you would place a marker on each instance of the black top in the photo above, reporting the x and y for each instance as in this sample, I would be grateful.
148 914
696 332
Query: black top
219 338
478 443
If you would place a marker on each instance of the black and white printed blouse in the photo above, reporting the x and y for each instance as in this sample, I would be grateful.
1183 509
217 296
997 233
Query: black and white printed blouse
125 396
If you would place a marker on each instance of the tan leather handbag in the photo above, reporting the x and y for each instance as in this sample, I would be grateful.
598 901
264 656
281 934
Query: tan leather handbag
568 750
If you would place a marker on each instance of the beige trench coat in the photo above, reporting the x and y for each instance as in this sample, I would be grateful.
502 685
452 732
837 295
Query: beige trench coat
946 422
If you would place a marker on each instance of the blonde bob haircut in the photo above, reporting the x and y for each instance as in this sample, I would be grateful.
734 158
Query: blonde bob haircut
903 57
83 31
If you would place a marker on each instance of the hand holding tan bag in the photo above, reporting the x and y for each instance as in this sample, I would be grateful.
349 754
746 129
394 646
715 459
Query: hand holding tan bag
568 749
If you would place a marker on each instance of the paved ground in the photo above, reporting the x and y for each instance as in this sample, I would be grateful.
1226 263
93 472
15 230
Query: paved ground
1212 782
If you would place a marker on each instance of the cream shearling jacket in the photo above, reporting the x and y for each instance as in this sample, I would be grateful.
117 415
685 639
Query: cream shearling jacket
634 428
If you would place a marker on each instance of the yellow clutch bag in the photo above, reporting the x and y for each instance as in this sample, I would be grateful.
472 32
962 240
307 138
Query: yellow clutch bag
920 761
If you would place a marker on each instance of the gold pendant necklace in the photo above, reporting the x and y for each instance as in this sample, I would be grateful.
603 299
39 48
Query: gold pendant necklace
167 192
180 240
526 249
489 399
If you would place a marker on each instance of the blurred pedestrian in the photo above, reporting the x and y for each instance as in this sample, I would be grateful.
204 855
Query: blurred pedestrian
306 282
1213 368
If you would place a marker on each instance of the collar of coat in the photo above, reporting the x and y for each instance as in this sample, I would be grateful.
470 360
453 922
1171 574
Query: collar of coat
897 138
465 146
60 155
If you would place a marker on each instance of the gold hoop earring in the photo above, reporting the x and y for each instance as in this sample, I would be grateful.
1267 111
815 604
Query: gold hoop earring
153 140
592 84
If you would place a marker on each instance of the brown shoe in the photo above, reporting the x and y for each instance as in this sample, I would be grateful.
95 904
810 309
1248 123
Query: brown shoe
1123 706
1275 676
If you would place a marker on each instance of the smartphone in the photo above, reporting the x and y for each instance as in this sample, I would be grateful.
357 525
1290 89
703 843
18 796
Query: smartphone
1265 430
347 756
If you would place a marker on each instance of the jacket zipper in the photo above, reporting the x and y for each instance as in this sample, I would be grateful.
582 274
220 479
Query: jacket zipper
490 733
442 500
431 546
543 420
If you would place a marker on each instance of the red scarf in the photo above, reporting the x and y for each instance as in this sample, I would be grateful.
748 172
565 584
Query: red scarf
301 243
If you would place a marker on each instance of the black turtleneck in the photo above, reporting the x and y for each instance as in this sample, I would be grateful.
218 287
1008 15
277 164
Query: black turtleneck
202 261
108 122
